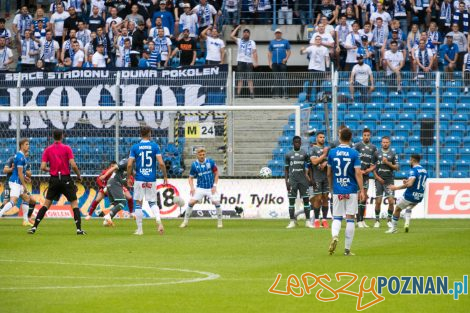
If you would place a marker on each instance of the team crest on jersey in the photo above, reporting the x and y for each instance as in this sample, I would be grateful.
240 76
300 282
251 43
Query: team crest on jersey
208 165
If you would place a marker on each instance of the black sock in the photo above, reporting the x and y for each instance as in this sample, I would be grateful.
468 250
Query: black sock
31 209
362 211
390 213
316 212
77 218
307 208
377 214
40 216
324 212
115 210
292 208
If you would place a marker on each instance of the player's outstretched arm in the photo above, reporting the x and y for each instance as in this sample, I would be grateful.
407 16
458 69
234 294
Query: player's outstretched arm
407 184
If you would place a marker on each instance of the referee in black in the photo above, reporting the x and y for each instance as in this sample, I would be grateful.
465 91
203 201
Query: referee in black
60 159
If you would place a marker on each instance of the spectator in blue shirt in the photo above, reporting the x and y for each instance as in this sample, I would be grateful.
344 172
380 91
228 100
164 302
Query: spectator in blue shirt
144 61
449 54
278 54
167 18
366 51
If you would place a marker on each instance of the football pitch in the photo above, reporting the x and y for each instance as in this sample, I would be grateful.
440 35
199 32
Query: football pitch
205 269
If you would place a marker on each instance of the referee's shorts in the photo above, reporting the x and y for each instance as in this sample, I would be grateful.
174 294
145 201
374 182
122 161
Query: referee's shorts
62 185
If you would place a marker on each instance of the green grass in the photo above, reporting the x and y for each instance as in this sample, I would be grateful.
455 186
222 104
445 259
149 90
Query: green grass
38 271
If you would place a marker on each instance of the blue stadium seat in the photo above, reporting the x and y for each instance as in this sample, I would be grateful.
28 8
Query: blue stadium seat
302 97
414 97
460 118
353 125
398 149
395 97
306 84
376 140
370 117
462 108
459 174
343 86
451 151
444 174
288 130
452 141
449 97
352 117
411 107
317 117
326 86
464 152
383 130
457 129
445 117
425 116
373 107
401 174
430 99
284 141
445 166
412 150
356 108
447 107
398 141
453 86
388 117
403 128
372 126
378 97
414 141
381 86
403 117
466 141
428 108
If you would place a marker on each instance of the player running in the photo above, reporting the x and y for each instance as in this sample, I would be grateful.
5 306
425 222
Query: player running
207 175
145 154
102 181
345 178
318 160
296 165
17 177
115 190
367 152
414 193
386 163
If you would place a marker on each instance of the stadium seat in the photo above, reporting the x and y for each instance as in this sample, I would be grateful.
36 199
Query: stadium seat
466 141
459 174
374 108
451 141
388 117
370 117
302 97
383 130
449 97
453 86
395 97
306 85
403 129
411 107
428 108
380 86
425 116
412 150
447 107
430 99
457 129
414 141
462 165
326 86
353 125
444 117
462 108
352 117
398 141
460 118
464 152
378 97
403 117
401 174
371 126
343 86
414 97
356 108
289 130
398 149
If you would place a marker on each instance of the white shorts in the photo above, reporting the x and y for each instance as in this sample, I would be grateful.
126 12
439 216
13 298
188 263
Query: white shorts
145 190
405 204
345 206
201 193
15 189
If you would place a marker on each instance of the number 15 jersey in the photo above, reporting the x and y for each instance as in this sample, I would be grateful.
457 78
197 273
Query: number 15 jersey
343 160
145 153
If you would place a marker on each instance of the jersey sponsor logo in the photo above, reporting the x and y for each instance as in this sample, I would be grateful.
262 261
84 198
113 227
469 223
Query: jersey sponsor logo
448 197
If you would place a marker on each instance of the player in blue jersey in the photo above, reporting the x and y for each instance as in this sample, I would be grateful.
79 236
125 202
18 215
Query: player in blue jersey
207 176
146 154
345 178
17 180
414 193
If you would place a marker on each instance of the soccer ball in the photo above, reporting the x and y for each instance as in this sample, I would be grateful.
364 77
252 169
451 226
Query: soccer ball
265 172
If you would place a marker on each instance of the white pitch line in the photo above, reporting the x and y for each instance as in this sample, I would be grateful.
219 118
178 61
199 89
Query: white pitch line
208 276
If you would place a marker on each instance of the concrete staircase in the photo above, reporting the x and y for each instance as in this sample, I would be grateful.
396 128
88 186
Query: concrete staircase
256 135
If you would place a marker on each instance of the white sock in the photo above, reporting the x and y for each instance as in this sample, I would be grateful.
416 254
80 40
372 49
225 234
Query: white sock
187 214
336 227
25 209
350 228
219 212
407 216
156 212
394 221
138 218
6 208
107 217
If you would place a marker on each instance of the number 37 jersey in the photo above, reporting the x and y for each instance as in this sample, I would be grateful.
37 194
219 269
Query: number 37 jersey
343 160
145 153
